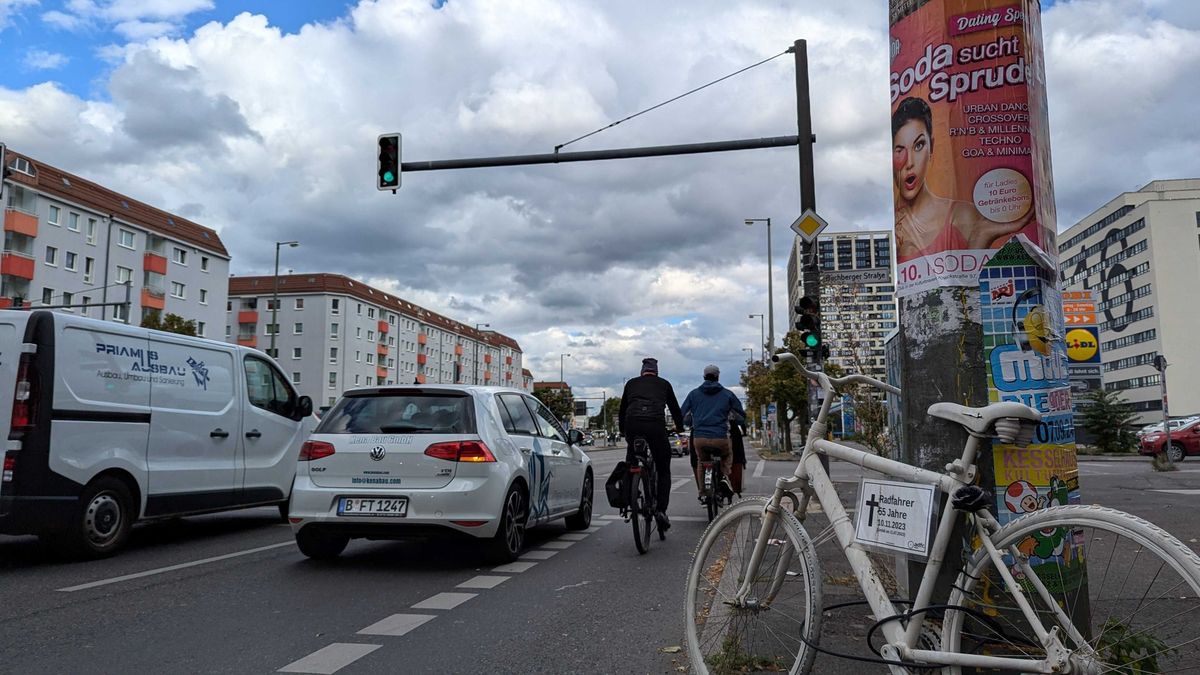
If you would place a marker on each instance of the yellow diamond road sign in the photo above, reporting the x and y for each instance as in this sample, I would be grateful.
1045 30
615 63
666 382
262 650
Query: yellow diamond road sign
809 225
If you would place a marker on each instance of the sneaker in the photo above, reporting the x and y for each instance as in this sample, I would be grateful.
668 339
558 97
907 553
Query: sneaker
664 523
726 487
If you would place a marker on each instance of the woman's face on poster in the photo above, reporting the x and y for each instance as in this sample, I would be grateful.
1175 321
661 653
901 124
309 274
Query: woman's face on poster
911 148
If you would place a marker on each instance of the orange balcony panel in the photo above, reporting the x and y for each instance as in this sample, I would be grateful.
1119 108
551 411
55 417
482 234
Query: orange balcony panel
508 376
381 372
248 340
422 339
152 299
487 358
153 262
17 265
421 359
458 350
383 326
508 360
382 350
248 317
20 223
420 379
487 375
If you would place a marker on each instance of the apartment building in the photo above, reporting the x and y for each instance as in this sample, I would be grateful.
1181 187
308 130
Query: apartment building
858 301
333 333
1140 255
70 241
526 380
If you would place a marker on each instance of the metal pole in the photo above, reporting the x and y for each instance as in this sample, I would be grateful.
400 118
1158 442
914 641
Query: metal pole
275 304
808 198
770 292
1162 381
561 377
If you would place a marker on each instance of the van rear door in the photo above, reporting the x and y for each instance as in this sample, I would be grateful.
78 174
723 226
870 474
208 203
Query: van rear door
12 336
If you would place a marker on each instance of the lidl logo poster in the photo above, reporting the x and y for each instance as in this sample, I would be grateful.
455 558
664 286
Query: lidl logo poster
1083 345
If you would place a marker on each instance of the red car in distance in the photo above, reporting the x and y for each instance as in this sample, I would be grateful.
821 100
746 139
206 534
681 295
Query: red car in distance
1184 441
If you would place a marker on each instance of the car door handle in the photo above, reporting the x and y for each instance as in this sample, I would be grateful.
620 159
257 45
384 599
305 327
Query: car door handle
526 451
254 433
219 433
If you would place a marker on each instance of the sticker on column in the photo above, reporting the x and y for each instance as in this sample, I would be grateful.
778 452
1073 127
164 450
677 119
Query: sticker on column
895 516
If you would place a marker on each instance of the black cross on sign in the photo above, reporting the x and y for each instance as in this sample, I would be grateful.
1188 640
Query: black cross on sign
872 504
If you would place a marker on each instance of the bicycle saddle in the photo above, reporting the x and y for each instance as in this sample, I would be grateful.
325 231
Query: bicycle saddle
979 421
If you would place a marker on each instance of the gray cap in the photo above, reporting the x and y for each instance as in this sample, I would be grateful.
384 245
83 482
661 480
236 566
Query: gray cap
711 370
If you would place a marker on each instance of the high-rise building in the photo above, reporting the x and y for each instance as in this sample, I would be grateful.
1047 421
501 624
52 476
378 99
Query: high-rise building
333 333
1140 255
69 241
858 298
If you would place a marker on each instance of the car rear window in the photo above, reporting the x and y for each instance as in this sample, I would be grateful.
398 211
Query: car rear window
400 414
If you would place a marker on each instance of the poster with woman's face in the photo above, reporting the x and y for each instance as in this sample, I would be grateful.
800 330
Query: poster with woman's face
965 139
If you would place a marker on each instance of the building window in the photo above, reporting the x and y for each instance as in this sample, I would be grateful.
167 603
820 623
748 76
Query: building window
391 319
51 256
332 400
357 357
53 218
270 304
333 331
360 309
295 377
356 379
370 380
333 354
85 302
299 303
296 351
69 262
73 222
124 275
370 312
90 235
203 296
228 330
298 328
179 256
121 313
47 296
125 238
370 336
333 380
335 306
67 298
273 353
358 332
177 290
228 305
200 328
271 329
89 266
370 359
203 263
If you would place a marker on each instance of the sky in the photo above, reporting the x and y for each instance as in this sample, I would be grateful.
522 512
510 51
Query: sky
258 118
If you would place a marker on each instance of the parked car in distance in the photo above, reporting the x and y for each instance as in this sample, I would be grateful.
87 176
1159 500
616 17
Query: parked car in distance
679 445
1157 426
413 461
110 424
1184 440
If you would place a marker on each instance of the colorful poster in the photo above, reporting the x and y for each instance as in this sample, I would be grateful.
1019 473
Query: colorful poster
970 150
1083 354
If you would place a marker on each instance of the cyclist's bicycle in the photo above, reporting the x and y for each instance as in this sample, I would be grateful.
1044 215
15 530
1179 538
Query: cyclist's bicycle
1074 588
643 496
713 492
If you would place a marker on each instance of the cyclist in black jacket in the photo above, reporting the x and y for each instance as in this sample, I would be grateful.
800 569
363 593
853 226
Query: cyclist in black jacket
642 406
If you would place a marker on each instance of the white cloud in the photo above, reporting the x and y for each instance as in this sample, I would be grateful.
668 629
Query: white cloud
8 8
134 20
38 59
138 31
63 20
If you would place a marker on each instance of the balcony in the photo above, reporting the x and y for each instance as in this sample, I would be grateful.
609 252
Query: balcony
153 298
250 316
422 339
508 376
487 375
458 350
487 358
250 340
508 360
20 222
421 359
381 373
382 349
383 326
17 265
153 262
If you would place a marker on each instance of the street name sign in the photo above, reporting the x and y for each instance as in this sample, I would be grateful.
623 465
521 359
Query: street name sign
877 275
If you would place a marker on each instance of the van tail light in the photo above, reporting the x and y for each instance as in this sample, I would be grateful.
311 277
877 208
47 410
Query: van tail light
461 451
10 465
315 450
25 397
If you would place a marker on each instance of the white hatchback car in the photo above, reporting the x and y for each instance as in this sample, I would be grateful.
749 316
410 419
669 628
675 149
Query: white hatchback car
396 462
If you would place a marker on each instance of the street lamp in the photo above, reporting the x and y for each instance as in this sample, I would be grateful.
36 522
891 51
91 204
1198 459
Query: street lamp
749 359
770 283
275 295
762 340
485 325
560 368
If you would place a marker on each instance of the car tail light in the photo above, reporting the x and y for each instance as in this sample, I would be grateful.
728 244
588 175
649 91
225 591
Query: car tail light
469 523
10 465
461 451
25 397
315 450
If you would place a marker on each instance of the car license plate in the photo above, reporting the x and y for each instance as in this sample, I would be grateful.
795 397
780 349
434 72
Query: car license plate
387 507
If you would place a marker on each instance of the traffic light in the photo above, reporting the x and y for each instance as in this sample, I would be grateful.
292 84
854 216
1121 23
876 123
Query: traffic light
809 325
389 162
1160 363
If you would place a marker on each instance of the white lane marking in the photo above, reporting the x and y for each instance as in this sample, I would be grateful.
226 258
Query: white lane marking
444 601
397 624
602 523
609 516
539 555
1179 492
563 588
172 568
329 660
557 544
573 536
593 528
759 469
680 483
483 581
514 567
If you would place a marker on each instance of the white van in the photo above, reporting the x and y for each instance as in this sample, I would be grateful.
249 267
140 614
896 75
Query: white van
111 424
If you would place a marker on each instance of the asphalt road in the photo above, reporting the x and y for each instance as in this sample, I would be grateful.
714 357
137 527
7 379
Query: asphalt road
231 594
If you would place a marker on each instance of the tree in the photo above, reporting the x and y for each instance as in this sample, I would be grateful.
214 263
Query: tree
559 401
783 386
171 323
607 417
1109 419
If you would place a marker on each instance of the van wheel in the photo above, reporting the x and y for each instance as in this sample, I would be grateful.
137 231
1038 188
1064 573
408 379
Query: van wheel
101 521
508 542
582 519
320 545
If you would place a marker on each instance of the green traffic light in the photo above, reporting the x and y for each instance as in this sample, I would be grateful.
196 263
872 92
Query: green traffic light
388 177
811 339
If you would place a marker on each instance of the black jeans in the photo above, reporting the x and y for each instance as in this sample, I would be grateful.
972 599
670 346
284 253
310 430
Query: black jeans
655 433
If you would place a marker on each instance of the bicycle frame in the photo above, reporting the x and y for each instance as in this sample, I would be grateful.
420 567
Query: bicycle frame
812 479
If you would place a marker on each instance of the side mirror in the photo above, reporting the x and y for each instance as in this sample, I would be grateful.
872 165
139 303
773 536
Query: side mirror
574 437
303 407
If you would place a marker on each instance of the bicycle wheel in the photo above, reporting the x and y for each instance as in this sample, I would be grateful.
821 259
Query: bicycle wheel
642 516
710 493
1131 592
763 634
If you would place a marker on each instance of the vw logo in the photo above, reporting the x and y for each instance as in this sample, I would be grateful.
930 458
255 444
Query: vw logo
378 452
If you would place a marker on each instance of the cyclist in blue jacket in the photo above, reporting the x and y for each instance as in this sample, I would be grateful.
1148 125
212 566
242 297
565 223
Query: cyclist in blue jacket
711 406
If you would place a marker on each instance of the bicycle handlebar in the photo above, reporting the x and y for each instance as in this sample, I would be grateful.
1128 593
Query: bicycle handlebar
830 382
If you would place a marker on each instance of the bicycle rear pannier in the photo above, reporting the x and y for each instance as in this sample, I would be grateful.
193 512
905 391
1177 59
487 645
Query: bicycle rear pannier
617 486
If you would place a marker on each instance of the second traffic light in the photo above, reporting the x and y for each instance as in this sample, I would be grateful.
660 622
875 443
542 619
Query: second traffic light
809 324
389 162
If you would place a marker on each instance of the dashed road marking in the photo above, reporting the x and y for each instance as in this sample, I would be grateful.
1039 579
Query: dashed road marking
483 581
329 660
514 567
573 536
759 469
538 555
172 568
680 483
602 523
557 544
444 601
594 528
609 516
397 624
1179 492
